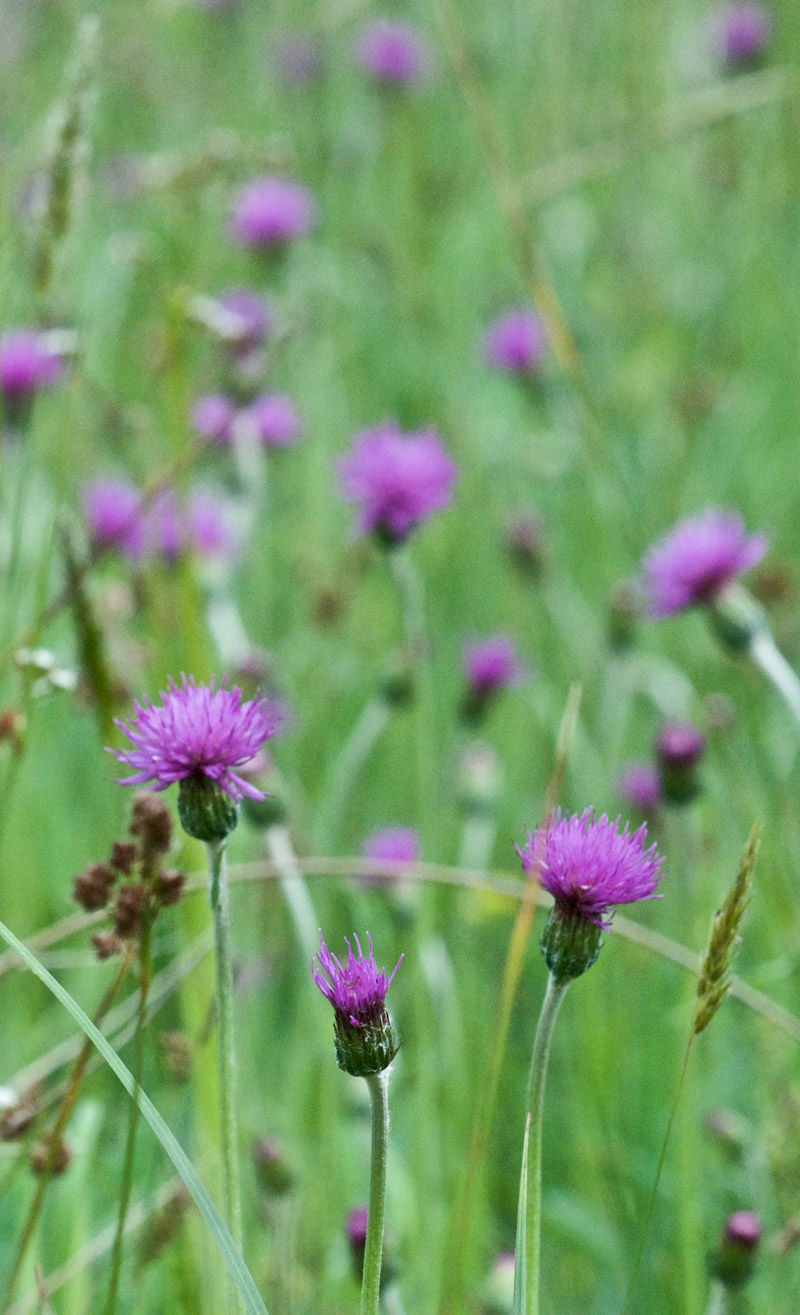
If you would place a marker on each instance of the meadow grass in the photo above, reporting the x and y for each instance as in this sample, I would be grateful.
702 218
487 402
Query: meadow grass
593 157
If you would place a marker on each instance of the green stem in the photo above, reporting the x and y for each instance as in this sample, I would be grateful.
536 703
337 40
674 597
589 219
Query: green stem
145 978
766 654
412 605
378 1084
226 1046
717 1299
347 768
535 1108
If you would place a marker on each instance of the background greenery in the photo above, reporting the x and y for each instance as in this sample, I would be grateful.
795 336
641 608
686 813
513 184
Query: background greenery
597 157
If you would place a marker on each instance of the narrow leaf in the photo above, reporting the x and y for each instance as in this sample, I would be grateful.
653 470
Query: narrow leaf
228 1250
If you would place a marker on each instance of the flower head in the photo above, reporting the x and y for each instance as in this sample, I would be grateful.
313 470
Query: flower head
392 53
271 211
639 784
734 1261
397 479
589 865
273 419
515 342
197 731
365 1039
111 507
741 33
254 315
394 844
491 664
26 364
209 526
212 418
696 560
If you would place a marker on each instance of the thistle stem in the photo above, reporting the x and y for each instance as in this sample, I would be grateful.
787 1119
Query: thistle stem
295 890
535 1108
348 765
765 653
378 1084
412 605
145 978
226 1046
717 1299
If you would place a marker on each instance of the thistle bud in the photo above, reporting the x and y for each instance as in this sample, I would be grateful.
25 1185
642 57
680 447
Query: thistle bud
679 749
275 1178
570 944
734 1261
207 812
365 1039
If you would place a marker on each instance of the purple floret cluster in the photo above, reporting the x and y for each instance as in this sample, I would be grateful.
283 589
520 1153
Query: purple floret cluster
696 560
397 480
589 866
491 664
271 211
356 989
196 730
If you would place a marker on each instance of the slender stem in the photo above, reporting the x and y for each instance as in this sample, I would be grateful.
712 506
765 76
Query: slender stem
378 1084
535 1109
717 1299
412 605
70 1096
766 654
347 766
654 1189
145 979
226 1047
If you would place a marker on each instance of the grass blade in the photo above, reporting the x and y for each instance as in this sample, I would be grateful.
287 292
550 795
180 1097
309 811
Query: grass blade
235 1264
520 1249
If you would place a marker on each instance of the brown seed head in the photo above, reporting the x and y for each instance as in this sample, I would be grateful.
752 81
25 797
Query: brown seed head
168 887
151 822
91 888
716 968
128 909
123 856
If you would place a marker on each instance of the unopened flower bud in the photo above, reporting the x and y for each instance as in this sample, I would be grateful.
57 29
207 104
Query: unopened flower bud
275 1178
735 1259
570 944
736 618
207 812
679 749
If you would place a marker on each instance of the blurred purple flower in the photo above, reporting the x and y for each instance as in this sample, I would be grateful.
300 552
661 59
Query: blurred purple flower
26 364
255 315
213 415
271 211
741 33
515 342
356 1228
491 664
696 560
589 865
273 419
392 53
679 744
397 479
394 844
111 508
209 526
198 731
297 58
164 528
639 785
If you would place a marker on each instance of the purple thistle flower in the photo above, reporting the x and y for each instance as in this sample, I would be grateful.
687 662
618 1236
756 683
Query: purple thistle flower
741 34
111 507
515 342
679 744
209 526
271 211
491 664
639 784
213 415
392 53
589 866
365 1040
398 479
26 364
696 560
255 316
198 731
394 844
273 419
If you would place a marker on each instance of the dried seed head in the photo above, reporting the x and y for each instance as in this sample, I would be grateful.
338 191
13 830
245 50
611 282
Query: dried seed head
106 944
716 968
163 1226
123 856
92 887
178 1055
168 887
45 1160
17 1119
151 822
128 909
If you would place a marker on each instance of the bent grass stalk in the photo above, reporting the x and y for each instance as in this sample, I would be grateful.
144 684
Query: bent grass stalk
218 895
67 1105
145 980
